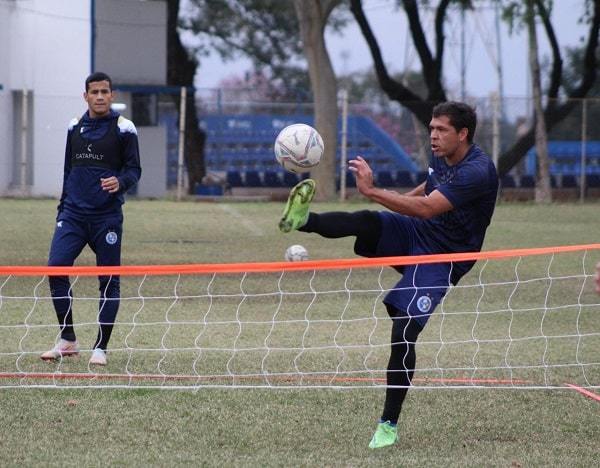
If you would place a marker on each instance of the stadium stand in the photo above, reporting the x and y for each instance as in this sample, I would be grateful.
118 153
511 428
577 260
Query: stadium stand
421 177
290 179
593 180
252 178
527 181
568 181
234 179
272 179
565 157
508 181
404 179
385 179
244 143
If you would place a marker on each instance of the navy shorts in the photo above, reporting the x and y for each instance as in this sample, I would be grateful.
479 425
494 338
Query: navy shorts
422 287
73 233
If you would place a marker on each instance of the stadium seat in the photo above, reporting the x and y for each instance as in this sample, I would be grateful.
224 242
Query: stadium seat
569 181
350 180
234 179
290 179
272 179
252 178
421 177
404 179
593 180
508 181
385 179
527 181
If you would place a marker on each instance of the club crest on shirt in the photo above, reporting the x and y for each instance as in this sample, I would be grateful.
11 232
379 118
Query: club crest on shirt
111 237
424 304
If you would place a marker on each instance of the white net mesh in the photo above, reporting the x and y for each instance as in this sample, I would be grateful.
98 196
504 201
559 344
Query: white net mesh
513 322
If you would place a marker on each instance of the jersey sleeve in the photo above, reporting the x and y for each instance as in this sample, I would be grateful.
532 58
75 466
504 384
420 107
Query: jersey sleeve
67 164
131 170
472 181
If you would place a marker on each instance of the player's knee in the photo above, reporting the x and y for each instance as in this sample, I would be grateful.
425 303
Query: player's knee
369 231
58 260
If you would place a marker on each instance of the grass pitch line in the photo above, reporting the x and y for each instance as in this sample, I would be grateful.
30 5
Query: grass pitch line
246 222
584 392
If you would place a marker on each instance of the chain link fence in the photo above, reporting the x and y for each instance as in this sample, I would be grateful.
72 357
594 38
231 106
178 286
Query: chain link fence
240 126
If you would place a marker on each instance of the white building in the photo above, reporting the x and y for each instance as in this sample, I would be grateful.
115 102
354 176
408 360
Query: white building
47 49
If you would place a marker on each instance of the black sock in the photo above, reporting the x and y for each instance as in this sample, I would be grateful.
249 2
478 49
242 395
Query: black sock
365 225
401 366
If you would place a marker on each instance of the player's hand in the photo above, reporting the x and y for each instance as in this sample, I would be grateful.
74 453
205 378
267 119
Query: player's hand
363 175
110 184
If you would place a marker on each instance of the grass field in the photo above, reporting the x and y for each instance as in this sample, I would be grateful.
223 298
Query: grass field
303 427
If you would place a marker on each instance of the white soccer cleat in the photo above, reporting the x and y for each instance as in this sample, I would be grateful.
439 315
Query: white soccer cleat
98 357
61 349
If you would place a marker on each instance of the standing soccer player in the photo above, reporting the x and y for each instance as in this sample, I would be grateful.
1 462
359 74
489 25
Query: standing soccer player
448 213
102 162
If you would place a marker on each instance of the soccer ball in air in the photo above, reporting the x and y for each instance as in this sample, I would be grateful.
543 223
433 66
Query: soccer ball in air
296 253
298 148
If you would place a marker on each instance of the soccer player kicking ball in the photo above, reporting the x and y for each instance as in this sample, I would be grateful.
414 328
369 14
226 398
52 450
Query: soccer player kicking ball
102 162
448 213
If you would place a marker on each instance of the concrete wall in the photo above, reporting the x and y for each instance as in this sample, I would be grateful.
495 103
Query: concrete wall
6 105
48 53
131 41
153 158
46 48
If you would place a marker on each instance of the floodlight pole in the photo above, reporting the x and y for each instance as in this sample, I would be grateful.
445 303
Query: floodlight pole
582 178
24 132
181 145
344 144
495 128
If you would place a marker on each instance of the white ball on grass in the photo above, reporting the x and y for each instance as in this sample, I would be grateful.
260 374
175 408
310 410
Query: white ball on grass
296 253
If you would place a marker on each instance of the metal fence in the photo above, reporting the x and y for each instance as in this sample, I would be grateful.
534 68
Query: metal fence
241 125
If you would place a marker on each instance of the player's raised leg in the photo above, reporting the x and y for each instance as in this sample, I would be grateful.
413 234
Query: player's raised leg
295 213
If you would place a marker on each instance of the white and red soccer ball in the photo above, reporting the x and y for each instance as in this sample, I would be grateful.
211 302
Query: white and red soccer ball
298 148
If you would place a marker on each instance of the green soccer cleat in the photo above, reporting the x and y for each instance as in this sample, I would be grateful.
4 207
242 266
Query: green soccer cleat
386 434
295 214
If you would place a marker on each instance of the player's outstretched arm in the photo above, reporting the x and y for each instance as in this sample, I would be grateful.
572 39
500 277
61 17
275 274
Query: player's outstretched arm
418 206
418 191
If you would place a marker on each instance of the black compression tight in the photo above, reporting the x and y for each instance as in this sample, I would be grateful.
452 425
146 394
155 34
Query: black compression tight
365 225
401 366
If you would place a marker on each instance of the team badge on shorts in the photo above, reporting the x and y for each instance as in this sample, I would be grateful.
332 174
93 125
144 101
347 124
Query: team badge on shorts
424 304
111 237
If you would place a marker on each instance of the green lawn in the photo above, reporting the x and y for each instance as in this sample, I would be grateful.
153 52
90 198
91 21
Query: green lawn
525 321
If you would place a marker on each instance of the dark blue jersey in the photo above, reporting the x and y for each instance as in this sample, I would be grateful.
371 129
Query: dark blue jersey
99 148
471 187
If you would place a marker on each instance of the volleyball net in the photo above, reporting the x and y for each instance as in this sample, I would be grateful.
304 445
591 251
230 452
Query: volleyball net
526 318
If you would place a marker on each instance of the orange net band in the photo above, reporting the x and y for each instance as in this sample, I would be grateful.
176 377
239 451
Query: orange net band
265 267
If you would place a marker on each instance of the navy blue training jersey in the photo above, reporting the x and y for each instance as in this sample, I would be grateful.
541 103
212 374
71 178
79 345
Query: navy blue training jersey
99 148
471 186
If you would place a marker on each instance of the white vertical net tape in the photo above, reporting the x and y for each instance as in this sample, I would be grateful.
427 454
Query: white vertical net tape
515 322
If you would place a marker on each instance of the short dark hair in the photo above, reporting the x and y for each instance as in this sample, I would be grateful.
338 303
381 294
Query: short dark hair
461 116
97 76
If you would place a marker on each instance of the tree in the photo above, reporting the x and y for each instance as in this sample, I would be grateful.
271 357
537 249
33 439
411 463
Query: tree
312 17
543 191
277 38
555 109
181 70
